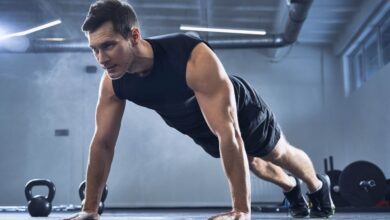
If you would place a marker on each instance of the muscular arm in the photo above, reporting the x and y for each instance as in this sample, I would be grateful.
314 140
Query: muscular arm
109 113
215 95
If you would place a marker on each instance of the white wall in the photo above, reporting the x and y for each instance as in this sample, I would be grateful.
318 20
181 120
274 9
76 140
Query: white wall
156 166
40 93
366 122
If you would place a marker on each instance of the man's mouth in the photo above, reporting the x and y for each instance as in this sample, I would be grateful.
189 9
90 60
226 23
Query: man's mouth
110 68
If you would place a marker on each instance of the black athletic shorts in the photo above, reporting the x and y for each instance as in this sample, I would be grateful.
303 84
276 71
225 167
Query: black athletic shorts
259 129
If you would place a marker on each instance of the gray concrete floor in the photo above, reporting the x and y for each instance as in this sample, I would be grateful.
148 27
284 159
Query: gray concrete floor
173 214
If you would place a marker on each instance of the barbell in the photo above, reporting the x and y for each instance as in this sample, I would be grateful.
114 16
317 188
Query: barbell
360 184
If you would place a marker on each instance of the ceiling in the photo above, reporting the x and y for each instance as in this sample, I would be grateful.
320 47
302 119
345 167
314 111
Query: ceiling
326 21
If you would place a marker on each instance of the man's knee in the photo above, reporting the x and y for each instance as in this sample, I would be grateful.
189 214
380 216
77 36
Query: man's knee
252 163
257 165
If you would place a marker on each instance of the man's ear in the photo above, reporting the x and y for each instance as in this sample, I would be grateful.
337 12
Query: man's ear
135 35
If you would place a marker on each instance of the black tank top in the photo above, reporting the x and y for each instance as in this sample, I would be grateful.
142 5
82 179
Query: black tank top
165 89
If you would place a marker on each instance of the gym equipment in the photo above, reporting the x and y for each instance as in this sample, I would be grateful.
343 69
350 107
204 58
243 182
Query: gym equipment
103 198
334 175
39 206
362 184
387 194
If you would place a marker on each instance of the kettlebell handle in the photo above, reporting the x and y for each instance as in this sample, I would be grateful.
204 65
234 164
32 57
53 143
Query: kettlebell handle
82 192
40 182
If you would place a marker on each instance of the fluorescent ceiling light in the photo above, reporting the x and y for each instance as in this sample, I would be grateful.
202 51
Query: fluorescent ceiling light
52 39
222 30
29 31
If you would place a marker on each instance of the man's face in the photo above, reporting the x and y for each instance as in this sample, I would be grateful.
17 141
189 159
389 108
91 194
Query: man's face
111 50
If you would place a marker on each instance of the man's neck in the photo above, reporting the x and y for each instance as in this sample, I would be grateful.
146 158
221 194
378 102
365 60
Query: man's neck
143 59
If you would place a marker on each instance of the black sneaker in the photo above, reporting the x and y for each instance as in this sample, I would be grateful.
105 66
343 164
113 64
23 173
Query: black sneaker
321 204
297 207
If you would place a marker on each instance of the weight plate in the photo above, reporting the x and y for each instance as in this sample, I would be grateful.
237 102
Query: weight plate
387 193
362 184
338 200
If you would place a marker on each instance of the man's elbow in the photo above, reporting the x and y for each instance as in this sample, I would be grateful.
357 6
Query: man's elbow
103 144
230 138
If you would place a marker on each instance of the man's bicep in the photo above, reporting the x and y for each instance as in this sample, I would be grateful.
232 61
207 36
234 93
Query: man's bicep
218 109
206 76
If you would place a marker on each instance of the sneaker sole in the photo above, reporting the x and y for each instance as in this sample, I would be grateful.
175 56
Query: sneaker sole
303 214
321 214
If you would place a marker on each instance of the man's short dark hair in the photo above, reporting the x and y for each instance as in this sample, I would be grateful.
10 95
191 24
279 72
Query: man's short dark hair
119 12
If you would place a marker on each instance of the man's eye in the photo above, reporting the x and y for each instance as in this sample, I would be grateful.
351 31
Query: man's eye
108 46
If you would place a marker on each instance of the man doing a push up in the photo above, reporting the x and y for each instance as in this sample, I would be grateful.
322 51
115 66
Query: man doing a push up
181 78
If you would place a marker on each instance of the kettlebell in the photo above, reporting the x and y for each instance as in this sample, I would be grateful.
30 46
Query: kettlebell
103 198
39 206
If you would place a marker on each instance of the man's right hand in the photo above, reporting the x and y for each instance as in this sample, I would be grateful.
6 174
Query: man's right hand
233 215
84 216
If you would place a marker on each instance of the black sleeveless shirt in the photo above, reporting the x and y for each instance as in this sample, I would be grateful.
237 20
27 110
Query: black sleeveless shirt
165 90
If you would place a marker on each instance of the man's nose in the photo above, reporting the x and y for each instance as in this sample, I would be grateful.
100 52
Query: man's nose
102 58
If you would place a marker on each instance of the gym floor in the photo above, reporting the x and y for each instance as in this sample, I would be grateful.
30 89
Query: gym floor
183 214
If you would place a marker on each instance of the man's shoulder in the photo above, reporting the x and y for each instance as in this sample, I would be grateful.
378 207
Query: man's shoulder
174 36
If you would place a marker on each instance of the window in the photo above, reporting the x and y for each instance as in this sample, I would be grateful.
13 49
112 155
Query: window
358 76
371 55
367 54
385 40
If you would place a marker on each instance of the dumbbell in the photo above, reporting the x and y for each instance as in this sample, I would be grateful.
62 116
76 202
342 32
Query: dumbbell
103 198
39 206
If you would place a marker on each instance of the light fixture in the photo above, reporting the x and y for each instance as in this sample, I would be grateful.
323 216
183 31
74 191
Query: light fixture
222 30
58 39
29 31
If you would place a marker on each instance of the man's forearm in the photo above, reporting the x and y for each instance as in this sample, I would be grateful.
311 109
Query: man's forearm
236 167
100 158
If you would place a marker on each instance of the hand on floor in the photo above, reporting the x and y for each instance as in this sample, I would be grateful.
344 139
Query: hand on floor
233 215
84 216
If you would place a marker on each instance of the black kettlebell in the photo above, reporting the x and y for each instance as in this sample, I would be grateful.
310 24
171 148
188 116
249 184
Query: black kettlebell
39 206
103 198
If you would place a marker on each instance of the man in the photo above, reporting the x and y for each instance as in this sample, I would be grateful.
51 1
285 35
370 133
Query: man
182 79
